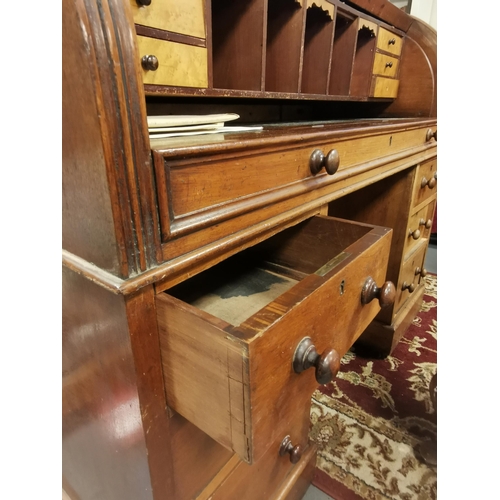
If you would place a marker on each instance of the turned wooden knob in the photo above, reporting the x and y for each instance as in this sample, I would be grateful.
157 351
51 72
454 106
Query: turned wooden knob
386 294
294 451
430 183
143 2
427 223
422 272
318 160
431 135
327 364
410 287
414 234
149 63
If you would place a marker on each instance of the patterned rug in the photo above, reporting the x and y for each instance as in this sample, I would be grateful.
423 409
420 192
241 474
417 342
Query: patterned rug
371 421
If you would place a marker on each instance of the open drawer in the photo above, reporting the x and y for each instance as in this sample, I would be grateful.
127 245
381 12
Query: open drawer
230 336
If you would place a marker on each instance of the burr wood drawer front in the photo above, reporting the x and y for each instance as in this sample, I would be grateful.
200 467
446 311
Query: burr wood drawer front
201 186
385 65
384 87
186 17
171 63
237 339
389 42
425 182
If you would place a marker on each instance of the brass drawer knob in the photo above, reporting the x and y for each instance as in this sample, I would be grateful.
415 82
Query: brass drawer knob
410 287
431 135
427 223
327 364
386 294
143 2
430 183
388 64
294 451
149 63
392 41
422 272
414 234
318 160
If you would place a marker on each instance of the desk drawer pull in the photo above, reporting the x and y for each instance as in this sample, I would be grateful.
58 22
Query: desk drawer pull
414 234
327 364
427 223
430 183
149 63
431 135
294 451
422 272
143 2
386 294
410 287
318 160
392 41
388 64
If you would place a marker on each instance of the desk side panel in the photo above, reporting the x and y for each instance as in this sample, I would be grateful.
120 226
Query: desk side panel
103 445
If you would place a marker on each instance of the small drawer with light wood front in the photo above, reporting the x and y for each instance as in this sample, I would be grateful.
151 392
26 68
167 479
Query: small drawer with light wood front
170 63
245 343
385 65
425 182
384 87
186 17
389 42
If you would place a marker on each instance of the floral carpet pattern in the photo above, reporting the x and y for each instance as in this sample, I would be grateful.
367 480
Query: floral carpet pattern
370 421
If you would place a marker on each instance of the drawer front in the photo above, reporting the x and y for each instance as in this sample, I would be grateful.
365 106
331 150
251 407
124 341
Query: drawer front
389 42
385 87
196 191
385 65
410 276
179 65
425 182
241 368
265 479
419 227
186 17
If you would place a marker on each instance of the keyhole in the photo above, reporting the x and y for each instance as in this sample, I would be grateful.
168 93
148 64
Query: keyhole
390 141
342 284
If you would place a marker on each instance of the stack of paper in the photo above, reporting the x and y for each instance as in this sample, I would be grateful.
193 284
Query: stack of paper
180 125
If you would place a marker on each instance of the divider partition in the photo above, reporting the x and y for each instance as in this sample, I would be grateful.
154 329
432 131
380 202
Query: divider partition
238 31
344 47
290 47
363 58
285 34
318 43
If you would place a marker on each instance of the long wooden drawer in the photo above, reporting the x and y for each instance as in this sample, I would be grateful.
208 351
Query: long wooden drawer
224 177
228 336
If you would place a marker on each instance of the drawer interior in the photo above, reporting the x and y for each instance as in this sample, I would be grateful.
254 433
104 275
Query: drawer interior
237 288
230 330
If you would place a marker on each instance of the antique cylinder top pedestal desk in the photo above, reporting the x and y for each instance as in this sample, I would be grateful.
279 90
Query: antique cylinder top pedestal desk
211 282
